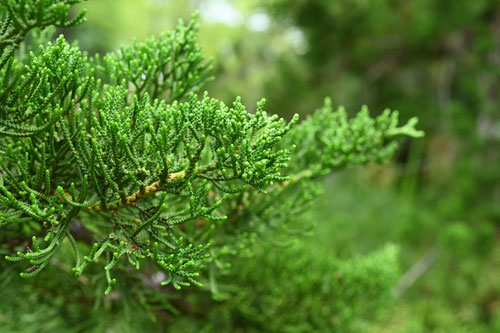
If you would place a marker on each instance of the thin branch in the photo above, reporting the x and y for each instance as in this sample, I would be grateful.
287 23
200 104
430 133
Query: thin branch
416 271
132 199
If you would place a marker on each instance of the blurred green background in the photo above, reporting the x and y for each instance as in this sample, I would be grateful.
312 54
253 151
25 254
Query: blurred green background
439 200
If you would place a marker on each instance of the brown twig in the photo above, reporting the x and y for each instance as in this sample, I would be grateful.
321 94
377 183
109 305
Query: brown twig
132 199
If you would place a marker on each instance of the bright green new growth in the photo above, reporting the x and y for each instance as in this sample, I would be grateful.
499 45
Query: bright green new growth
169 67
125 149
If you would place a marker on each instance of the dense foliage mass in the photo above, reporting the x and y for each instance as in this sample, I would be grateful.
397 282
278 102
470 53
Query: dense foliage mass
115 169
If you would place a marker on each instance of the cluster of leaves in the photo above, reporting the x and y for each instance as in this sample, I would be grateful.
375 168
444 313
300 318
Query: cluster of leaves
20 17
112 149
330 140
169 67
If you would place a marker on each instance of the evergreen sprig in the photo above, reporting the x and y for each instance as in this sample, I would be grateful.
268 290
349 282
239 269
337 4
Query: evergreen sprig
331 140
168 67
125 148
19 17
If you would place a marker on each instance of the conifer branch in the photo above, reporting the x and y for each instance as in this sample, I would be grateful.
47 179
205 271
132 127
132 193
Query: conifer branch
136 196
170 173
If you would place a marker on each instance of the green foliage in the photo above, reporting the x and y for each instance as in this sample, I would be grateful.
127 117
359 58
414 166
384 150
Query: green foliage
331 140
169 67
120 159
280 298
20 17
332 294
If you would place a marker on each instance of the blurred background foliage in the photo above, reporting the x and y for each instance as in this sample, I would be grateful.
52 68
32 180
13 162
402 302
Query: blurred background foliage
438 203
